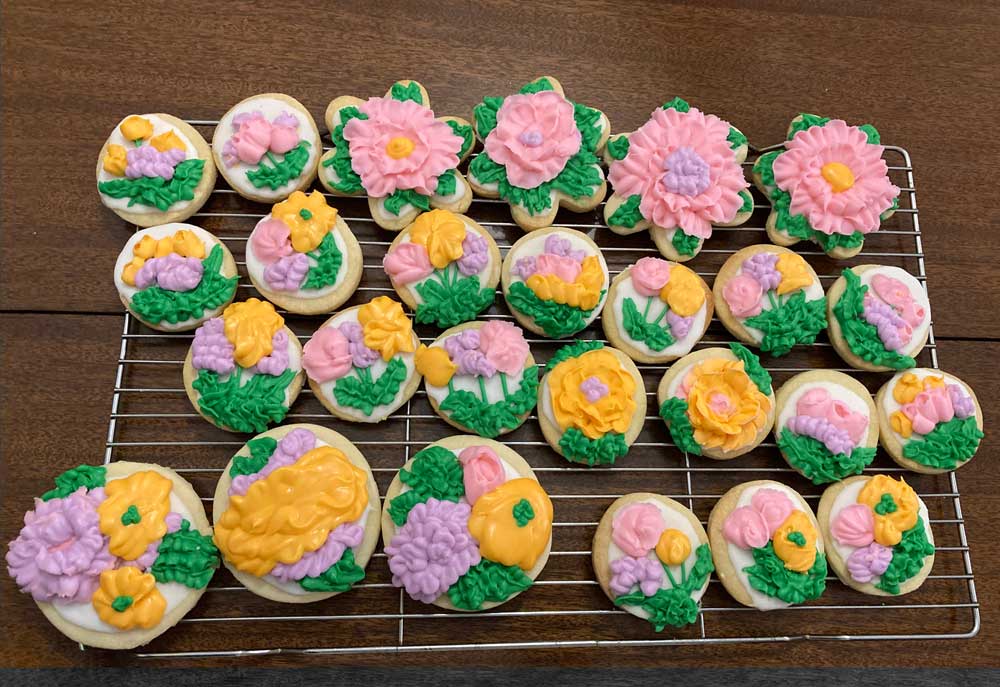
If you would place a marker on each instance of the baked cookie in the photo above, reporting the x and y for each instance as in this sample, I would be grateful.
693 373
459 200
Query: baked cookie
244 369
267 146
591 403
480 377
540 152
394 150
303 256
677 175
826 425
154 169
175 276
767 546
829 185
360 362
879 317
769 297
651 558
445 267
879 533
657 310
555 281
115 555
296 514
466 525
929 421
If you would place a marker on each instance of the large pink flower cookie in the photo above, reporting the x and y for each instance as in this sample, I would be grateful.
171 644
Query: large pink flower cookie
397 152
677 175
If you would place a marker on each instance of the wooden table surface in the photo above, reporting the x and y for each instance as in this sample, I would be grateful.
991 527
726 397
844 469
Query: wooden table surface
925 73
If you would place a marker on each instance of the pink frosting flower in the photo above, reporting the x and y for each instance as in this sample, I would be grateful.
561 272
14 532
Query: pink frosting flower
854 526
636 528
565 268
742 294
746 528
800 171
252 138
504 346
327 355
682 166
271 240
818 403
649 275
482 471
400 146
929 408
897 294
628 572
815 402
407 263
535 136
285 133
773 505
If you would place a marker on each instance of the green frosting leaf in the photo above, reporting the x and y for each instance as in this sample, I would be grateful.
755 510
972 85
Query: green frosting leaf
339 577
247 408
450 299
638 328
747 201
490 419
769 576
794 321
447 183
328 261
487 171
88 476
573 350
348 180
540 84
157 192
678 104
485 114
907 558
685 244
579 448
764 167
581 175
154 305
588 121
947 445
751 365
280 172
618 147
557 320
673 606
807 121
736 138
364 393
261 450
434 473
872 133
861 337
814 460
410 91
186 556
628 213
400 198
487 581
578 179
464 132
674 413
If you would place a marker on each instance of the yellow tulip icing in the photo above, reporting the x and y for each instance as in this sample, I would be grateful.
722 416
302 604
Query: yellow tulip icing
683 292
128 598
611 413
794 272
674 547
584 292
116 160
725 407
134 513
250 326
895 506
386 327
795 542
441 233
435 365
501 535
901 424
308 217
136 128
183 242
167 141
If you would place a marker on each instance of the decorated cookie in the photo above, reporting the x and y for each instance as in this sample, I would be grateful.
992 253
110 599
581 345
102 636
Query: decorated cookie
445 267
244 369
115 555
154 169
360 362
303 256
395 151
767 546
879 317
175 276
929 421
540 152
296 514
717 402
652 559
657 310
466 525
769 297
591 403
677 175
826 425
555 281
829 185
267 146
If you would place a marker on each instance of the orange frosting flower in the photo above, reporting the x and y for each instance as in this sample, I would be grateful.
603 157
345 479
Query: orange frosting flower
128 598
167 141
584 292
386 327
674 547
136 128
441 233
435 365
895 506
134 513
683 292
309 219
116 161
901 424
725 407
513 523
250 326
795 273
611 412
795 542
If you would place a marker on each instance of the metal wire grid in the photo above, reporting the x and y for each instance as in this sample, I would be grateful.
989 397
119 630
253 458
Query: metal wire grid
151 420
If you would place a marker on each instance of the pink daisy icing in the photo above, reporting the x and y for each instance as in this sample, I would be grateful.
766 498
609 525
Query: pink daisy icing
682 166
817 166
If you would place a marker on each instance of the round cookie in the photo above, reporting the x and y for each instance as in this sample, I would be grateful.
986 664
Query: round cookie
929 421
445 267
115 555
377 135
826 425
361 363
767 528
303 256
489 520
540 152
325 540
834 204
866 549
591 403
155 169
555 281
175 276
267 146
657 310
770 297
677 175
244 369
879 317
743 420
646 547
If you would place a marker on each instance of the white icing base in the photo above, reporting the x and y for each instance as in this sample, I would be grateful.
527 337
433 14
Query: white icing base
919 295
813 291
626 289
890 405
256 267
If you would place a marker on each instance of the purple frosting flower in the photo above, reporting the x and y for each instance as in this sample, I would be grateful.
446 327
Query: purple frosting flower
835 439
286 119
287 273
362 355
211 350
892 329
524 267
687 173
761 266
433 549
277 362
314 563
475 254
463 349
960 401
147 161
594 389
170 273
558 245
627 572
60 552
867 562
291 447
679 326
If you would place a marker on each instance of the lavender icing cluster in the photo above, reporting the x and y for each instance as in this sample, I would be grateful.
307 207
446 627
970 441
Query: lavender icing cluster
147 161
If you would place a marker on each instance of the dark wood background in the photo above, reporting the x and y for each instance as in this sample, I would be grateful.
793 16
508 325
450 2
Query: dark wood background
925 73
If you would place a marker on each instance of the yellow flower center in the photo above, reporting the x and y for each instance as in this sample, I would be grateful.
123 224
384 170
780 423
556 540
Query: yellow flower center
399 147
838 175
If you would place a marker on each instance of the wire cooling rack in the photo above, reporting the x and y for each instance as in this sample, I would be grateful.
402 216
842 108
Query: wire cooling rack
151 420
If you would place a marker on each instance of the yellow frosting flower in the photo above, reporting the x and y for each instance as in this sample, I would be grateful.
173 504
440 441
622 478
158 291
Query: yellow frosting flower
116 160
128 598
441 233
674 547
584 292
907 388
895 507
167 141
136 128
386 327
250 326
725 407
435 365
611 412
794 271
185 243
513 523
309 219
934 382
795 542
291 511
901 424
134 513
683 292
